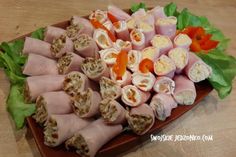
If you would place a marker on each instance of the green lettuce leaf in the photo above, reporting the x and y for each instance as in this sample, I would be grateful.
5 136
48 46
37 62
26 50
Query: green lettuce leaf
38 34
136 7
171 9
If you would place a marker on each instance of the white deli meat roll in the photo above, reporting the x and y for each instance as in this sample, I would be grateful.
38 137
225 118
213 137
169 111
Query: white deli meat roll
144 81
164 84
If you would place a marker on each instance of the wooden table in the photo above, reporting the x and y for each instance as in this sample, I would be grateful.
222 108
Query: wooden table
211 117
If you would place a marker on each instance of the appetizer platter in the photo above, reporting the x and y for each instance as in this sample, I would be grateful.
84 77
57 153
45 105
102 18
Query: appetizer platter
98 85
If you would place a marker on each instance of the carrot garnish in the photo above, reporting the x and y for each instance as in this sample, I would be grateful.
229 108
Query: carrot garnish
119 68
146 65
112 18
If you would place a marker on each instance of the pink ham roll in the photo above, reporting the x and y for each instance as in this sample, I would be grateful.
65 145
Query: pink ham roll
69 62
99 15
133 97
121 30
138 39
40 65
166 26
89 140
164 85
85 46
162 104
52 103
86 103
109 55
52 33
158 12
180 57
109 88
164 66
112 111
36 46
86 26
163 43
36 85
151 53
108 24
95 68
196 69
183 41
59 128
123 45
148 31
143 81
141 119
118 13
185 91
134 58
126 79
102 39
61 45
141 12
148 19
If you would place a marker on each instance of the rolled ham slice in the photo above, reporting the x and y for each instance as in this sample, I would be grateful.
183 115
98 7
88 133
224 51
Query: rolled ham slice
180 57
196 69
108 24
52 103
141 12
121 30
99 15
112 111
36 46
182 40
59 128
36 85
151 53
52 33
162 104
95 68
148 31
123 45
118 13
164 66
158 12
109 55
40 65
132 24
61 45
109 88
137 39
85 46
133 97
69 62
125 80
89 140
87 27
164 85
141 119
185 91
166 26
86 103
148 19
163 43
134 58
102 39
143 81
74 30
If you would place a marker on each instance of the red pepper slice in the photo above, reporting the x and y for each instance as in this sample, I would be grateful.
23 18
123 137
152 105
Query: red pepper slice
210 44
112 17
146 65
195 46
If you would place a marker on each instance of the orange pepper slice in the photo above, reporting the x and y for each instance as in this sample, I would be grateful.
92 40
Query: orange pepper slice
195 46
146 65
112 18
210 44
119 68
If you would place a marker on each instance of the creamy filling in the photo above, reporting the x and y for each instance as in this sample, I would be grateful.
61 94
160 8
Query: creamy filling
108 111
131 24
50 132
145 27
134 58
92 67
120 26
182 39
171 20
179 56
108 88
160 41
137 36
58 44
41 114
102 39
109 55
150 53
82 41
73 30
159 108
165 86
64 62
199 71
131 95
144 82
163 65
186 97
73 83
120 44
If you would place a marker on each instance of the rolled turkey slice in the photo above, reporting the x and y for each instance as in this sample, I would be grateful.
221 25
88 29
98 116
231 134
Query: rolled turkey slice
196 69
140 119
164 66
86 103
52 103
121 30
99 15
162 104
95 68
182 40
143 81
69 62
52 33
36 46
89 140
109 88
112 111
125 79
151 53
123 45
39 65
158 12
74 30
148 31
61 45
164 85
137 39
134 58
133 97
59 128
87 27
76 82
109 55
36 85
85 46
180 57
102 39
185 91
163 43
166 26
118 13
